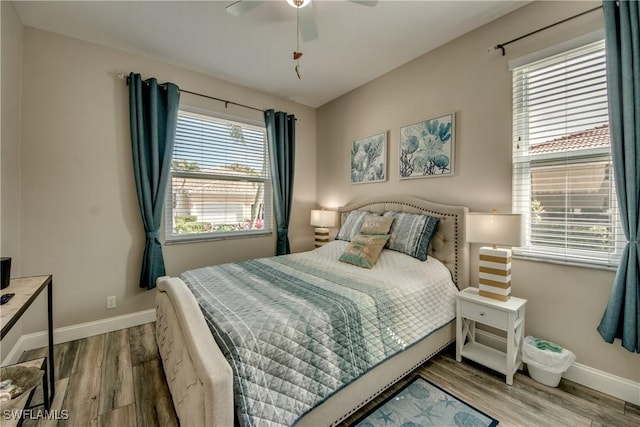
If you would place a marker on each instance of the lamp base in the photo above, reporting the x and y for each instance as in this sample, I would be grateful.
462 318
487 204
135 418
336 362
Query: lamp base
485 293
322 236
495 273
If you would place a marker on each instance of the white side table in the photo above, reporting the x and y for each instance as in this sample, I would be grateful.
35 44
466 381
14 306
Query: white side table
504 315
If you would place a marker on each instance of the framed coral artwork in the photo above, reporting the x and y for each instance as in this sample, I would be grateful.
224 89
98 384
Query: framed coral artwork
427 148
369 159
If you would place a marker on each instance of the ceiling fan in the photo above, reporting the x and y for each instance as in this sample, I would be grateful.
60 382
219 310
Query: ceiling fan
307 20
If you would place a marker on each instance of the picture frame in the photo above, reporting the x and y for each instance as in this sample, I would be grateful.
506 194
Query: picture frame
369 159
427 148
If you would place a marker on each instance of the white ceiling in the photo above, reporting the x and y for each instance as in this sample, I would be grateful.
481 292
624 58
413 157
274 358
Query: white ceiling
356 43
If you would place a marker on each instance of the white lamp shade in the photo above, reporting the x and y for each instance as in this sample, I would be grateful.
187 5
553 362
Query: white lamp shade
495 229
322 218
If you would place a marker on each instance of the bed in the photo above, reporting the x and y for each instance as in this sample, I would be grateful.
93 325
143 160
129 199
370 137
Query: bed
200 378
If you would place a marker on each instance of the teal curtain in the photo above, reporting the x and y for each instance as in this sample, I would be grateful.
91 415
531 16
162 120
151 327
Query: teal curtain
281 137
153 111
621 318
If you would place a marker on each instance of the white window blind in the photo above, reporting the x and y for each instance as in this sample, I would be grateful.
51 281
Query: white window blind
563 180
220 185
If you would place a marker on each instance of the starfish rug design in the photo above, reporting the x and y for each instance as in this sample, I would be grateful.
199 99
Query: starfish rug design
421 403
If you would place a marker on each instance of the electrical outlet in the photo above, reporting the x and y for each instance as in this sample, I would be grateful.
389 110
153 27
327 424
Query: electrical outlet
111 302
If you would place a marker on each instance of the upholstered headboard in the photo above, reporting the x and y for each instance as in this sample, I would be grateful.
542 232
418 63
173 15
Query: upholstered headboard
449 243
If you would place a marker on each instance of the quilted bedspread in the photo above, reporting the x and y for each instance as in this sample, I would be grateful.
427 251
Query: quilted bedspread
297 328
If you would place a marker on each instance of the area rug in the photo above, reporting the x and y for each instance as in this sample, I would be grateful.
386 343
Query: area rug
422 403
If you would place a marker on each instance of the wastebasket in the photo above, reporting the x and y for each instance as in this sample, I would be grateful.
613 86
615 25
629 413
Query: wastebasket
545 360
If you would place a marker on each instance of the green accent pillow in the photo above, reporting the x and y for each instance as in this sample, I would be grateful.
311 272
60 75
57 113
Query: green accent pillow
373 224
352 224
364 250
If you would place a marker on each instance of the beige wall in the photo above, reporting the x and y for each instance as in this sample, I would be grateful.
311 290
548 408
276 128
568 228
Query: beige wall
565 303
11 78
80 216
11 63
76 214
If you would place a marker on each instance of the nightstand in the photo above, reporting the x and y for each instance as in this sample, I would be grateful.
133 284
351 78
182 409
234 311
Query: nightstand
508 316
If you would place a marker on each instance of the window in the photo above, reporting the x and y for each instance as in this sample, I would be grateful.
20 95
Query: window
562 174
220 185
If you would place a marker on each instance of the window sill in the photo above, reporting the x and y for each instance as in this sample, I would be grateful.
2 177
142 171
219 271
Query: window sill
569 263
214 238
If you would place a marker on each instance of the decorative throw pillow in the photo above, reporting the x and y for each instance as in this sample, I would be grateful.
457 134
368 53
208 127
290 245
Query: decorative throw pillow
412 233
351 226
374 224
364 250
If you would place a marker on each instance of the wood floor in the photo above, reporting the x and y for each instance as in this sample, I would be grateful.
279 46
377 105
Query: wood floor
116 379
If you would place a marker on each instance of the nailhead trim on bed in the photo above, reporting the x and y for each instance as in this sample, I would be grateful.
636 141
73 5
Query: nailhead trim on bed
389 384
409 203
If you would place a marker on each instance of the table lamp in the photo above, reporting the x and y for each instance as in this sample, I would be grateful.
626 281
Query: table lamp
322 219
495 263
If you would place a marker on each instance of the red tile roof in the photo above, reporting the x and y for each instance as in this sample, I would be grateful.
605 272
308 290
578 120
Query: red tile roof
597 137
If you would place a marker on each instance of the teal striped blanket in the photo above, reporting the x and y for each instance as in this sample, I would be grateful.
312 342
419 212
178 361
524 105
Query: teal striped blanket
297 328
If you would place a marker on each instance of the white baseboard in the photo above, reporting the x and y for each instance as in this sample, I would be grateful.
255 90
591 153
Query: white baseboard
76 332
491 340
612 385
587 376
604 382
16 351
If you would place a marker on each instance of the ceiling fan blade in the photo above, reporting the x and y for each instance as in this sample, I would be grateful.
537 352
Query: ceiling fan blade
308 27
242 6
365 2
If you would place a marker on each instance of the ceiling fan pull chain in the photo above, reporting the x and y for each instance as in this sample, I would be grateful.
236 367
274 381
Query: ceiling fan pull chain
297 54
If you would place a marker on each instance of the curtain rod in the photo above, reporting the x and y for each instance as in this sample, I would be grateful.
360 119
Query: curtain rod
125 77
502 45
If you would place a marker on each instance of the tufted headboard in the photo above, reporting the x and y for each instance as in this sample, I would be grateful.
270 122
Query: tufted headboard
448 244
